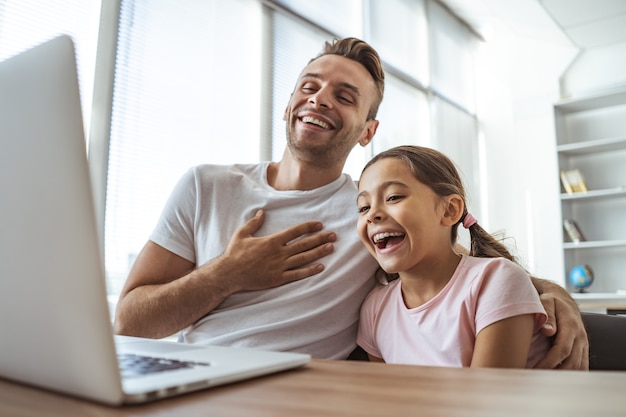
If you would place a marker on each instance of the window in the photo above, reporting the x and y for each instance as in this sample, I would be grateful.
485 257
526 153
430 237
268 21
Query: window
208 82
406 46
457 137
183 96
453 58
26 23
343 18
404 117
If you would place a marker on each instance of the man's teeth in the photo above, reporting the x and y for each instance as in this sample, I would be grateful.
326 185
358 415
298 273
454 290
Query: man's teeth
309 119
380 236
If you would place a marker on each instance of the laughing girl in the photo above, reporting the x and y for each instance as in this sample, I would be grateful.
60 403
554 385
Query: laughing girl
445 308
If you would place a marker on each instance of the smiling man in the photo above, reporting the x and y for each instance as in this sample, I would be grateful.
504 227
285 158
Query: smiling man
264 284
267 255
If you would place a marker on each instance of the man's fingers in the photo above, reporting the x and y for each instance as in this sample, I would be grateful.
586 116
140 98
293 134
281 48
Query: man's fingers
571 348
310 242
250 227
285 256
577 360
301 273
555 357
297 231
585 358
304 258
549 327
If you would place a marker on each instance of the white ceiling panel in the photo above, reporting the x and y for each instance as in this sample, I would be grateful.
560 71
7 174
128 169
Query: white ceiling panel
584 23
570 13
600 32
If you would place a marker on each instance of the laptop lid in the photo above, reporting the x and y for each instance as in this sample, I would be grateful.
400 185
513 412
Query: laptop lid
55 326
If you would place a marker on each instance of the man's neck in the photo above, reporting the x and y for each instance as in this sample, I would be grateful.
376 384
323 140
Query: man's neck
289 174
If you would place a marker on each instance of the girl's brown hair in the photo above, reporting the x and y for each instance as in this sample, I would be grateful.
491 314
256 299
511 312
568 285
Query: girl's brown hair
438 172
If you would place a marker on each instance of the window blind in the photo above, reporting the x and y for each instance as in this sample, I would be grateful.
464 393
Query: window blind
26 23
186 92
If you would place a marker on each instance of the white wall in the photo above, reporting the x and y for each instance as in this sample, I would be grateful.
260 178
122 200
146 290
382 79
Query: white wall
518 82
595 71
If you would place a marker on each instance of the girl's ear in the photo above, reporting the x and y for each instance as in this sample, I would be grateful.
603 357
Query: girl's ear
454 207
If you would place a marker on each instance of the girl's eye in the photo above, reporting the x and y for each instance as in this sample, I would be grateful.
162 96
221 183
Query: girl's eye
363 209
394 197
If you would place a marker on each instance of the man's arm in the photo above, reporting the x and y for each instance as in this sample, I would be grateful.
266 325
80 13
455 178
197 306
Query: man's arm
165 293
570 349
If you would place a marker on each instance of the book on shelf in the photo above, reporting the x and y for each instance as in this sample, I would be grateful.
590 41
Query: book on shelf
573 181
573 231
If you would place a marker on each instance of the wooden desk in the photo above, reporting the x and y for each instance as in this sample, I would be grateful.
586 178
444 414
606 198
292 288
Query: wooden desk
338 388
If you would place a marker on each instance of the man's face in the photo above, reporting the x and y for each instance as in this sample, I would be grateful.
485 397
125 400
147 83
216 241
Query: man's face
327 113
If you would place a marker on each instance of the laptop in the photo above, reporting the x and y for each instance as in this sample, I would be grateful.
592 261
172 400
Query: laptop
55 325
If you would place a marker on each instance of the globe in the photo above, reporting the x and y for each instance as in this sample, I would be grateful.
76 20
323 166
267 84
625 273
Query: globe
581 277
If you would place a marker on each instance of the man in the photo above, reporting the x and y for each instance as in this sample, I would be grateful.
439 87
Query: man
264 284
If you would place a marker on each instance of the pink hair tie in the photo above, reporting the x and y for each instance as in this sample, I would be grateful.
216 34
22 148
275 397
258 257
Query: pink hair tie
468 221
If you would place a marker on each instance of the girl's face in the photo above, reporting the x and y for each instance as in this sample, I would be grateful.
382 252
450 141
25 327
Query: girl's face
402 222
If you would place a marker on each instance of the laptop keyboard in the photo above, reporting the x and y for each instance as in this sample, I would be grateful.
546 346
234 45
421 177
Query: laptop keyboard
132 365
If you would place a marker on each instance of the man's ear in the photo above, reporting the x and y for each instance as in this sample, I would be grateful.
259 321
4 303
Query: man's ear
454 207
286 113
370 131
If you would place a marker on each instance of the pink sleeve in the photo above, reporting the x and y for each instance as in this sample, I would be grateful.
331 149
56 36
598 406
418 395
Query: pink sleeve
366 337
505 290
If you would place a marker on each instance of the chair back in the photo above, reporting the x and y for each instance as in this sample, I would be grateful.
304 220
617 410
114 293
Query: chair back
607 341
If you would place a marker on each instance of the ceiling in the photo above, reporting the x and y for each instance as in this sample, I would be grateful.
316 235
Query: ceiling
583 24
589 23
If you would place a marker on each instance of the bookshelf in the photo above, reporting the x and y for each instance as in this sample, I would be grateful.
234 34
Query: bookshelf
591 138
596 302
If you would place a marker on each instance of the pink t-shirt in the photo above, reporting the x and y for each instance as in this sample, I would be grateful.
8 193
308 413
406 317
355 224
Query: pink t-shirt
442 331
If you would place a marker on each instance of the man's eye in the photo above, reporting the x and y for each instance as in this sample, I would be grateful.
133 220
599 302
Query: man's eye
344 99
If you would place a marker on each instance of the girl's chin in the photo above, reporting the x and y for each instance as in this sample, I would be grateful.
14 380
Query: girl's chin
390 269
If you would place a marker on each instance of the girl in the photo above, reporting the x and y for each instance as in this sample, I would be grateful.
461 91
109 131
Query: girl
445 309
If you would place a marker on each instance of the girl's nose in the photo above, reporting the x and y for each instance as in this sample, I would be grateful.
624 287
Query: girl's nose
374 215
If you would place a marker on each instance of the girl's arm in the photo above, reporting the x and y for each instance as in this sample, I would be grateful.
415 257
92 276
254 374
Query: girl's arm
505 343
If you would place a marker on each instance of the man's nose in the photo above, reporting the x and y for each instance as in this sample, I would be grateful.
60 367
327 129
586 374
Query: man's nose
321 98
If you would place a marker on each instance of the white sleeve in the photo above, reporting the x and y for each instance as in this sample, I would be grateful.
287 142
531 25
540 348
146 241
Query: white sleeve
175 229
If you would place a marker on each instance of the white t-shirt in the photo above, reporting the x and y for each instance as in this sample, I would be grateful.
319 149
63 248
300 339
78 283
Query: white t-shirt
442 331
317 315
